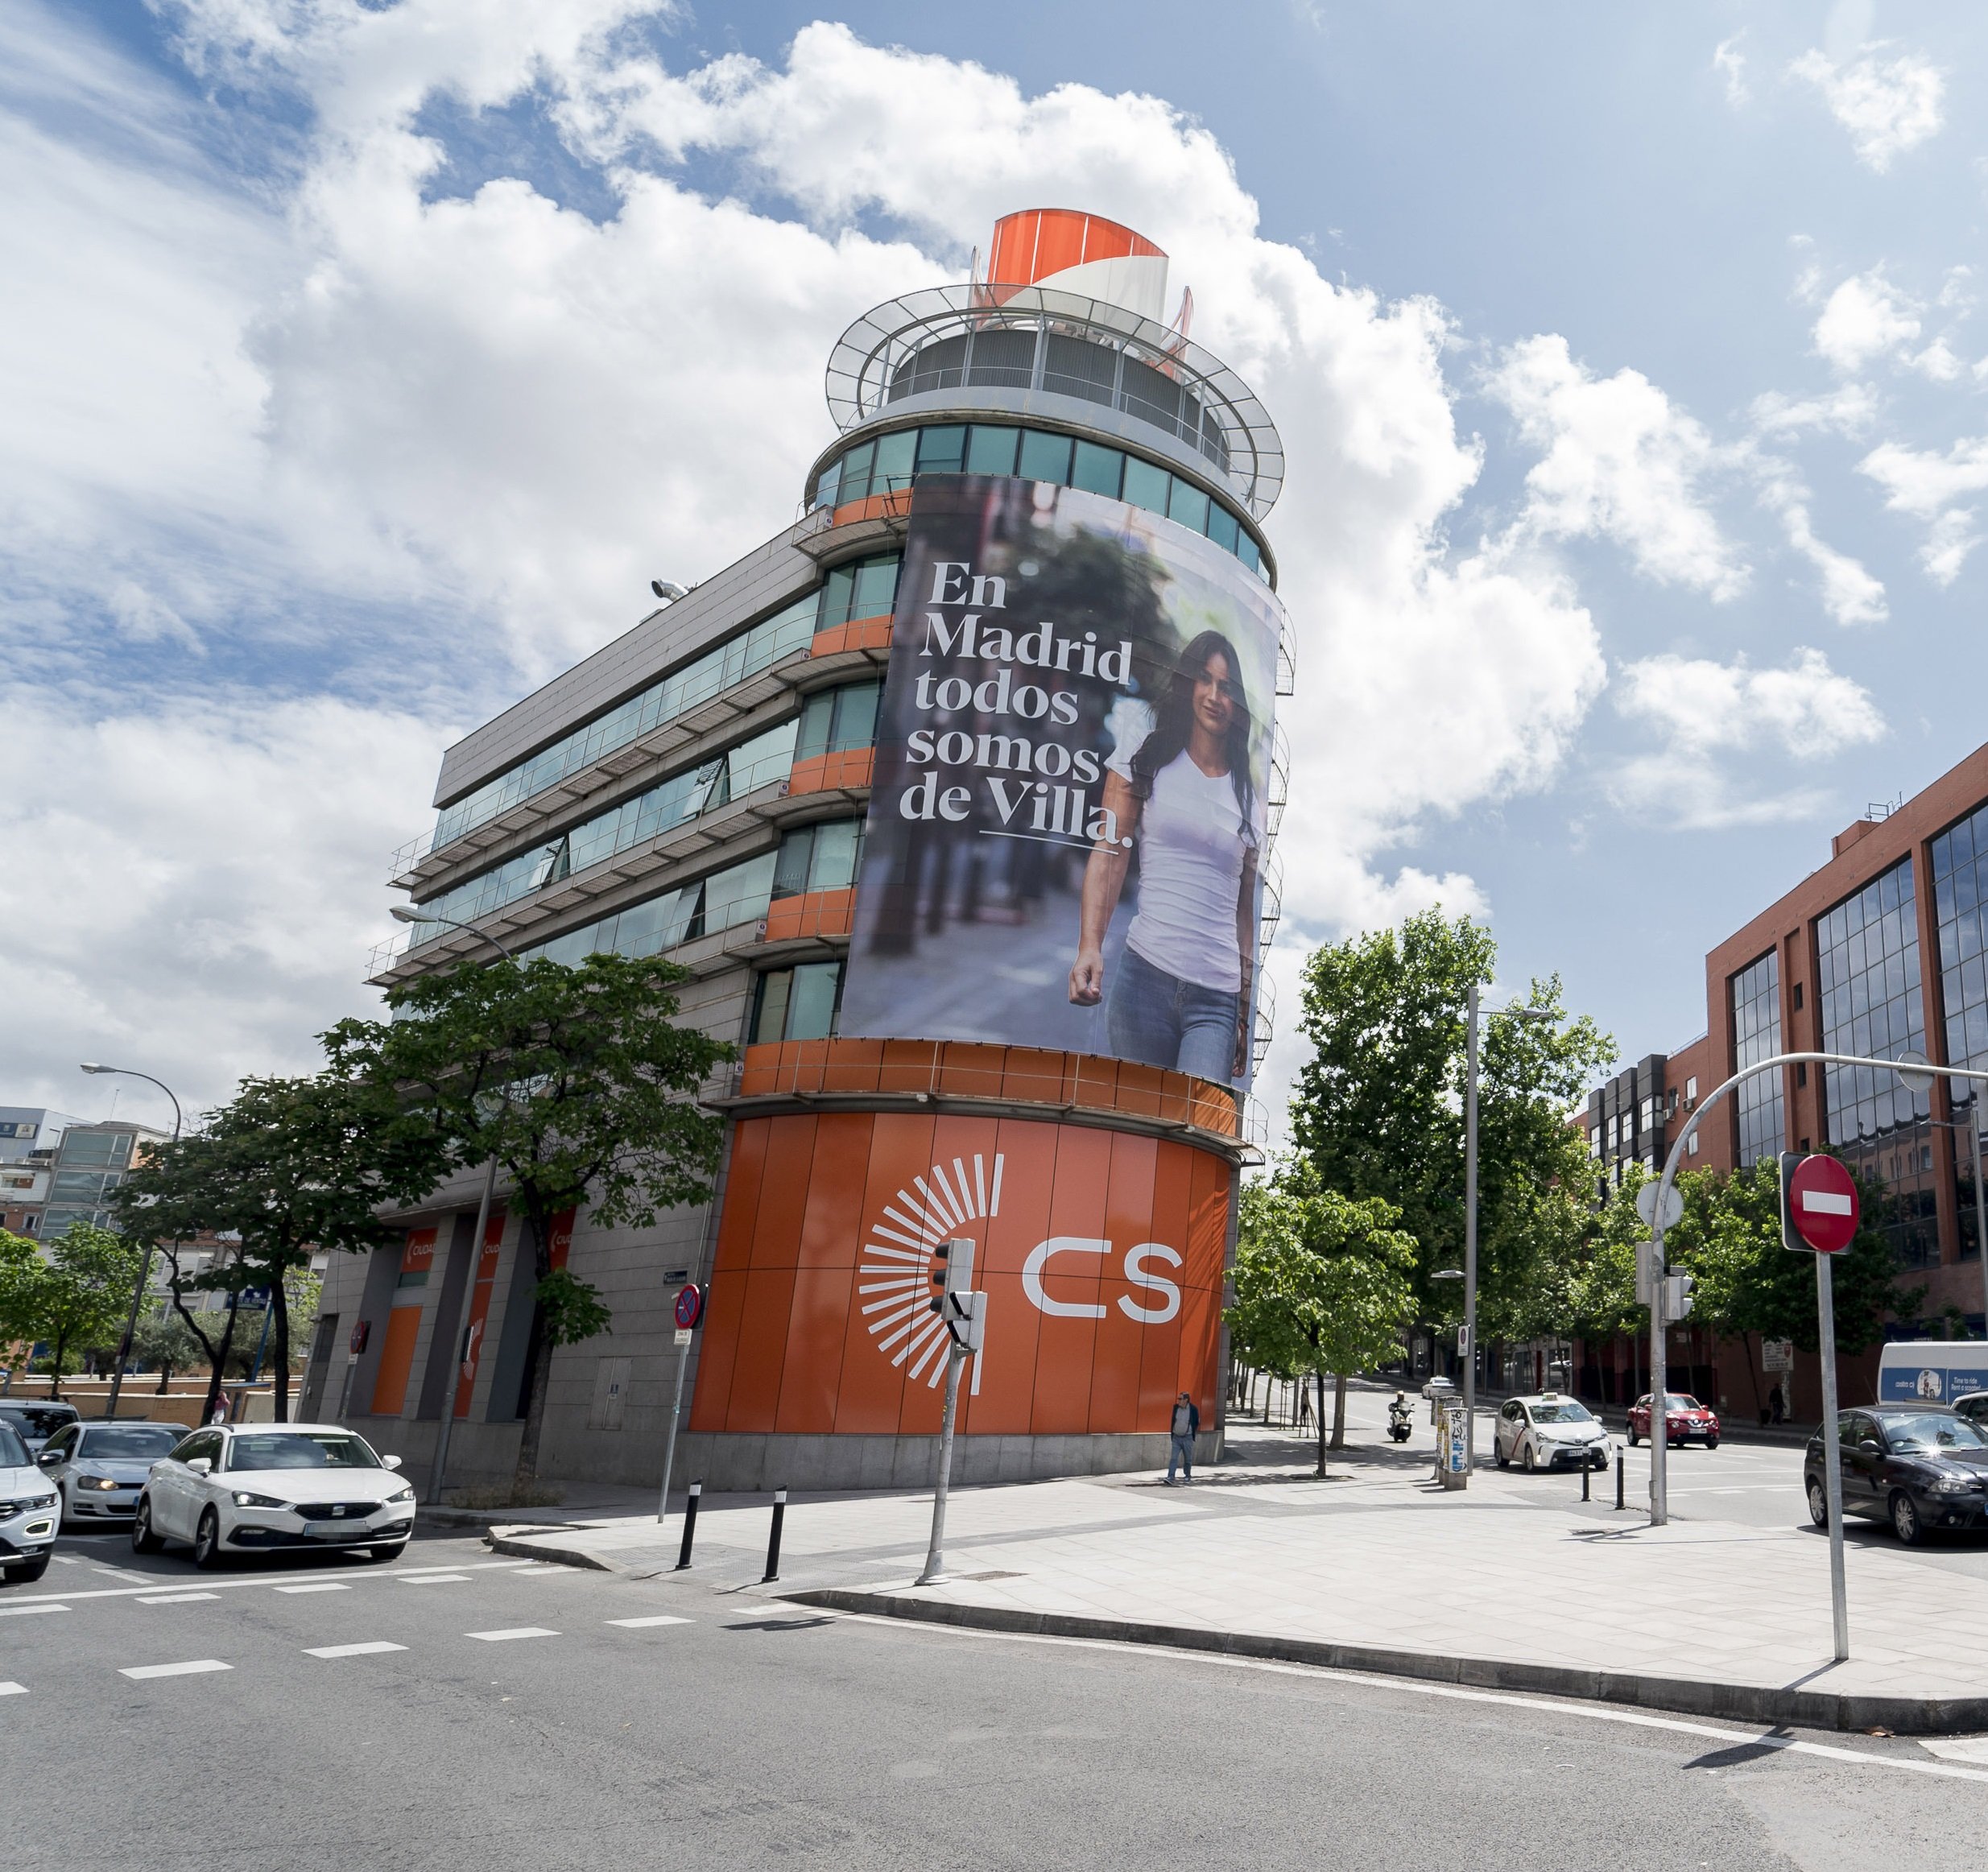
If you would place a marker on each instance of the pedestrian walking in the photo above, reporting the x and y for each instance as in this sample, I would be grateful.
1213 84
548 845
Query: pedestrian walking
1187 1426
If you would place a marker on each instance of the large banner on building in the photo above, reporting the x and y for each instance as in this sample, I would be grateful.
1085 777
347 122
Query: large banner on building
1067 828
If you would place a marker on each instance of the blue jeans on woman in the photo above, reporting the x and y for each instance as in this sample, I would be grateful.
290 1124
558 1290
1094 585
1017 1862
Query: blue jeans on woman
1160 1020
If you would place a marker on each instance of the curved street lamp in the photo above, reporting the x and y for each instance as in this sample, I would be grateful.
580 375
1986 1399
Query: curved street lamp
145 1262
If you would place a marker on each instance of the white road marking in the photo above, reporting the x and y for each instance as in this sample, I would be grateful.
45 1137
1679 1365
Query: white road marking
186 1670
514 1631
758 1611
434 1579
24 1611
173 1598
12 1689
1414 1687
68 1560
505 1566
318 1586
659 1618
114 1572
351 1651
1972 1748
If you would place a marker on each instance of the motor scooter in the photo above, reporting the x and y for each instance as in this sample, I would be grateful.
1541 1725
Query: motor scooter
1397 1421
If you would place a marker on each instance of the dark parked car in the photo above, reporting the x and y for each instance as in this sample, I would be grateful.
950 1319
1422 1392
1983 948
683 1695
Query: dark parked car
1919 1466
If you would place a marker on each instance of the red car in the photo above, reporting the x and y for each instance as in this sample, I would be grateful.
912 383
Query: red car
1685 1419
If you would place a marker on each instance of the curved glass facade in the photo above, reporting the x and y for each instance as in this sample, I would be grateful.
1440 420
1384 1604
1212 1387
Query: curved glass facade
883 464
1756 991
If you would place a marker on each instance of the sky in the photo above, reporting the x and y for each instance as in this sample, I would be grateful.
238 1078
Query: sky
362 361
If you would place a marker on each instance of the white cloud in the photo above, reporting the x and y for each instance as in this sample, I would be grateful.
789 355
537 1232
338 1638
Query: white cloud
1621 462
1847 410
1850 594
1707 711
1730 62
1929 486
196 888
1866 317
1889 106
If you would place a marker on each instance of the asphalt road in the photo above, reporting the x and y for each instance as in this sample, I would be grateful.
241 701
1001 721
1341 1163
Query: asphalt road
454 1710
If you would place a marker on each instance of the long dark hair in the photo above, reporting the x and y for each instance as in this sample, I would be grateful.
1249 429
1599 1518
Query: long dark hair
1174 722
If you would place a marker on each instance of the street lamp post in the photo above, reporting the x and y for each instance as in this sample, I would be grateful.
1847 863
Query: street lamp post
145 1260
406 913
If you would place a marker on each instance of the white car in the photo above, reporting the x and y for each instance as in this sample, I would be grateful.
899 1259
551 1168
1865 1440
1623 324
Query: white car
248 1488
27 1513
98 1468
1438 1387
1548 1432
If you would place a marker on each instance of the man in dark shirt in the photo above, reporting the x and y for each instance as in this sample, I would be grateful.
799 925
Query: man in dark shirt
1187 1425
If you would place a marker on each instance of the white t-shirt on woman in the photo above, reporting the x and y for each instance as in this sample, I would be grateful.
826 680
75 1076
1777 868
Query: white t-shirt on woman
1192 841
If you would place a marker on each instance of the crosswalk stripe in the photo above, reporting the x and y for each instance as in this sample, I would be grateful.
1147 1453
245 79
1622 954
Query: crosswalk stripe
434 1579
318 1586
173 1598
12 1689
186 1670
351 1651
659 1618
26 1611
514 1631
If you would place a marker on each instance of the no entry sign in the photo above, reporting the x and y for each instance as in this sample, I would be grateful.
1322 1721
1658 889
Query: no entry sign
1822 1204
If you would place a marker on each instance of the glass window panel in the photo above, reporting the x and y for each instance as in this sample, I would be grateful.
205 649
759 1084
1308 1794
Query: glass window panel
790 877
1044 457
739 894
832 865
990 451
942 450
1188 505
856 466
1245 550
1097 469
1146 485
1222 528
856 716
876 587
817 717
769 1019
896 453
811 1009
831 479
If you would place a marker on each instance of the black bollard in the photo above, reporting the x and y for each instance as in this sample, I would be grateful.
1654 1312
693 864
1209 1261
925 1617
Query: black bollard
1619 1478
1587 1469
690 1525
773 1540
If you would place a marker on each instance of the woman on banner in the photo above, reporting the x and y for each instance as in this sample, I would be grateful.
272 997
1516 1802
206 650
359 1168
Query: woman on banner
1179 782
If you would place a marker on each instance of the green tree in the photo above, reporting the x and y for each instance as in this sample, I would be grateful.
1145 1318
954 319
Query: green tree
285 1166
1379 1113
74 1297
166 1341
1322 1285
1602 1292
581 1085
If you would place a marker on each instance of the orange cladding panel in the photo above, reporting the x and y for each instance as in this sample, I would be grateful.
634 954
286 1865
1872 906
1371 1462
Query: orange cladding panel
1100 1253
389 1388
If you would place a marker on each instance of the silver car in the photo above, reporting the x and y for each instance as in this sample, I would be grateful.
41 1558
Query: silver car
27 1513
98 1468
34 1421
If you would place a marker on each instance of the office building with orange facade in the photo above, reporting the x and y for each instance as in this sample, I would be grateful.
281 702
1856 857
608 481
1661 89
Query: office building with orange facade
700 789
1878 953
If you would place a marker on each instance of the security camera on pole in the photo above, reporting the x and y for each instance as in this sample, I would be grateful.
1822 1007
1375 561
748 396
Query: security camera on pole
965 1313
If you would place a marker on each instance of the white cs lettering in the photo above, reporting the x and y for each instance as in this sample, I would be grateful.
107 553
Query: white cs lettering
1038 1259
1135 1259
1164 1293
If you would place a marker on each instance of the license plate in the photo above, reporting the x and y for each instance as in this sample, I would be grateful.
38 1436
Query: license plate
338 1530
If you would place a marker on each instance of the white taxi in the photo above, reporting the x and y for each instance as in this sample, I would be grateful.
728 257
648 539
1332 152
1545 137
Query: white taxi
1550 1431
248 1488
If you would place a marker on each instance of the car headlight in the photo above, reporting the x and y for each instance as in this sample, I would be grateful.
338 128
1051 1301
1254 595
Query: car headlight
244 1499
25 1505
1951 1484
104 1484
398 1495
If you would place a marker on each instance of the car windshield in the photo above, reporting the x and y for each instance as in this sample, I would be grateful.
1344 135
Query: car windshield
12 1452
40 1420
1680 1402
1931 1432
128 1442
1567 1411
300 1449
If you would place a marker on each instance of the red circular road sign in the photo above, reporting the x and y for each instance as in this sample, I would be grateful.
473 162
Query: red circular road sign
1822 1204
689 1306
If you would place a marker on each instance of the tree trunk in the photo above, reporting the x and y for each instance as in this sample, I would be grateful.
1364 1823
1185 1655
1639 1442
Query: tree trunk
528 1469
58 1348
221 1360
165 1376
1319 1381
1339 1409
1753 1373
280 1301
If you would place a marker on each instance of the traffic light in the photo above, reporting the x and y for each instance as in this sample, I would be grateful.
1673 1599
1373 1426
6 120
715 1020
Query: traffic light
1677 1296
954 1274
1791 1161
1646 1274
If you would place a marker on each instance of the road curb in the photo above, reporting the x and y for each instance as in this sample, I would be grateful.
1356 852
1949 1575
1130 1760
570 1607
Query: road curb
519 1546
1749 1703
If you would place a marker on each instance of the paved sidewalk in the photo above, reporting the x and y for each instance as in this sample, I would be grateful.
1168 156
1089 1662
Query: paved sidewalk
1515 1583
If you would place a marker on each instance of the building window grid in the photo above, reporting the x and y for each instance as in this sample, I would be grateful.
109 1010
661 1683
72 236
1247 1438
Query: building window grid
1960 871
1756 997
1871 1002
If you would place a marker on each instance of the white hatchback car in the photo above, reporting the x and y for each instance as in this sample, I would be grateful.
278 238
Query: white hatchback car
1547 1432
248 1488
28 1512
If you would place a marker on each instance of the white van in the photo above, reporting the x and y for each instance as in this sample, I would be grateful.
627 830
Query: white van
1931 1371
